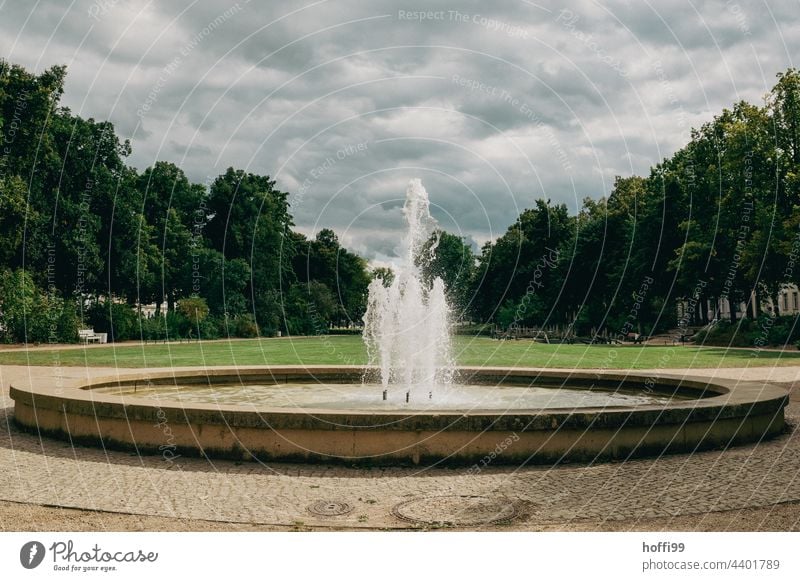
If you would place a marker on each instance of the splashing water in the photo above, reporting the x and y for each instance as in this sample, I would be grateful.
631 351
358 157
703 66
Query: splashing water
407 325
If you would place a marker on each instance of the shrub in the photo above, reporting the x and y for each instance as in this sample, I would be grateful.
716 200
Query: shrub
727 334
474 330
245 326
119 320
344 331
195 309
785 330
178 326
67 326
152 328
210 328
765 331
28 314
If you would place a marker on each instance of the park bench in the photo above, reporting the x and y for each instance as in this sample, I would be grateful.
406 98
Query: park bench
89 336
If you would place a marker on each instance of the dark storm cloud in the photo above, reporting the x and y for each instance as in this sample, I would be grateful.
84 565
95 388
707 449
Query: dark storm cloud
342 102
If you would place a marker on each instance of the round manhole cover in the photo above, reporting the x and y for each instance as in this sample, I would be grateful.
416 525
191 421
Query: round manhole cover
330 508
462 511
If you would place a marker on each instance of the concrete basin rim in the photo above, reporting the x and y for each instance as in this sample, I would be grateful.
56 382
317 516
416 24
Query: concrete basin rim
730 395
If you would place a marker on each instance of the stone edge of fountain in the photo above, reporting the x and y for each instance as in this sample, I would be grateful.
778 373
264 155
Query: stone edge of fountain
724 412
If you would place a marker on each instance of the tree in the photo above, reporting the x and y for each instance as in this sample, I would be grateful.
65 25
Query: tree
522 263
27 103
719 219
165 187
784 103
448 257
12 218
223 283
783 106
345 274
250 220
28 314
310 309
195 309
175 212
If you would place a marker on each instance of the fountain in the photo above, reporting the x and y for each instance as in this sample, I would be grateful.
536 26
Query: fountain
406 325
429 411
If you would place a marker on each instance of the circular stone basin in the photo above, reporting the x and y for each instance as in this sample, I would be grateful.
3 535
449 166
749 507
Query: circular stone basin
320 413
368 397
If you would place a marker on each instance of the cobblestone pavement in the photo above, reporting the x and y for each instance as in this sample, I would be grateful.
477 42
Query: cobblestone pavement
43 471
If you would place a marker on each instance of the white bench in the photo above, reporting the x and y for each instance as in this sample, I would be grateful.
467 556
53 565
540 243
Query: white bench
89 336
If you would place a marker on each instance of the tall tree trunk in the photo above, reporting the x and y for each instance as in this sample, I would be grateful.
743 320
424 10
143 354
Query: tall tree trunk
754 301
732 308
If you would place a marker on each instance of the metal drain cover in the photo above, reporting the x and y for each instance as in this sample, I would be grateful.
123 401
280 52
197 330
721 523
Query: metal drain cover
456 510
330 508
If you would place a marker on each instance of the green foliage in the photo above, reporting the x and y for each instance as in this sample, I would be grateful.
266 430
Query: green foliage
223 283
195 309
115 238
310 309
250 221
119 320
385 274
66 330
719 219
507 314
783 330
12 217
245 326
522 262
28 314
211 328
766 331
152 328
324 261
448 257
725 333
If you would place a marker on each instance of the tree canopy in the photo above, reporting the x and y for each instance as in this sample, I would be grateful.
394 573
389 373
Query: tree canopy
81 231
88 240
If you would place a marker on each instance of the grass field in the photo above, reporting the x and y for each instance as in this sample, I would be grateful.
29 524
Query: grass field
349 350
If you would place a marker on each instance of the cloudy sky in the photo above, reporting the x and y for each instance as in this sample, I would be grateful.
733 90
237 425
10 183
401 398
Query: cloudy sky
342 102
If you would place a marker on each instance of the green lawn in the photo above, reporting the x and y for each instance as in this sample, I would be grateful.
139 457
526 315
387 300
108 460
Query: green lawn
349 350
